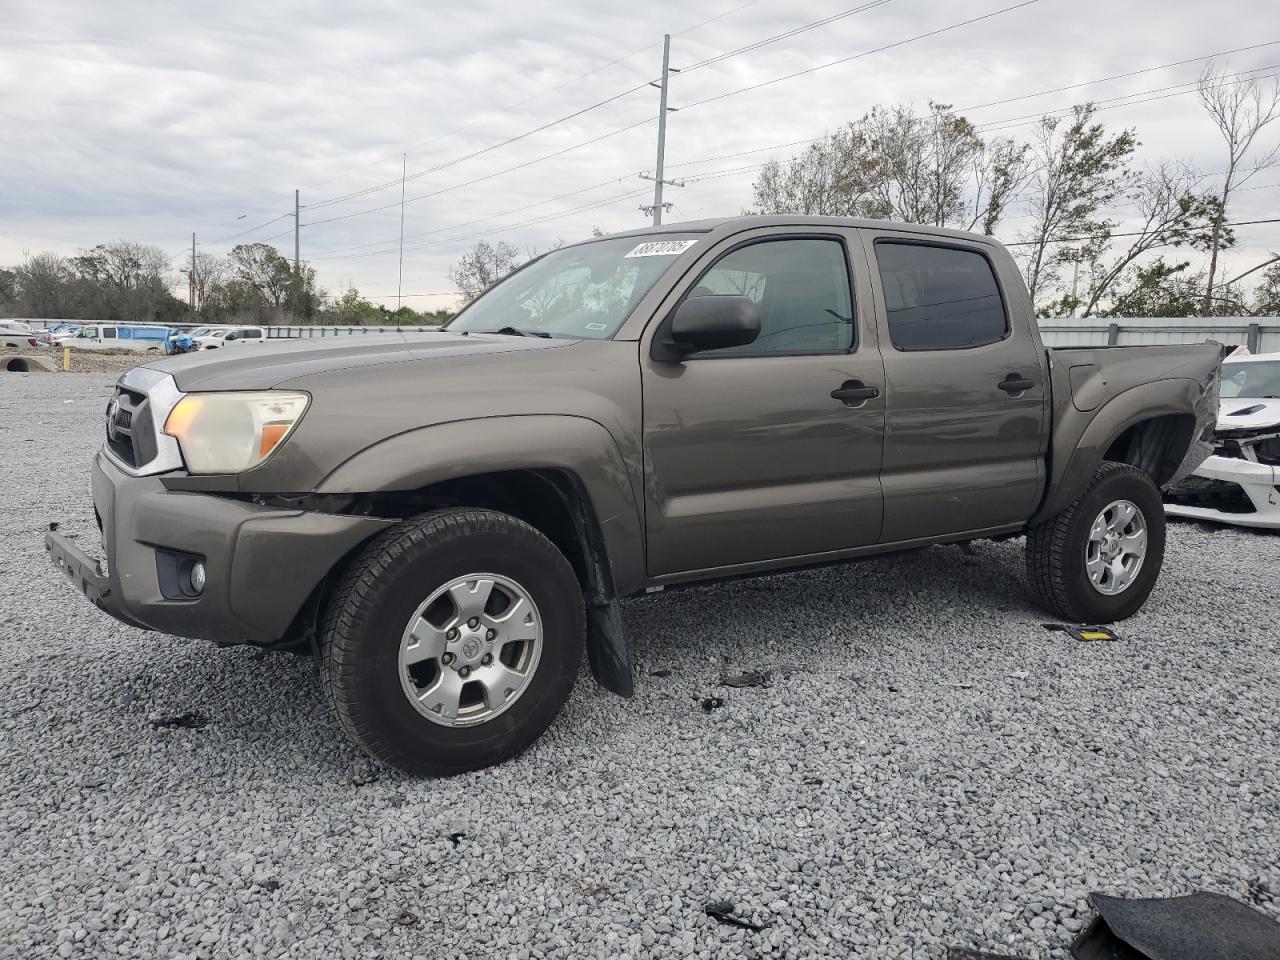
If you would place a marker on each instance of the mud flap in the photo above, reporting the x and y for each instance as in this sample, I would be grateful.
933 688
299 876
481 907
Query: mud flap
608 649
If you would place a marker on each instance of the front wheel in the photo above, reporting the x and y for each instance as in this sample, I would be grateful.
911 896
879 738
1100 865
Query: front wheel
453 641
1098 560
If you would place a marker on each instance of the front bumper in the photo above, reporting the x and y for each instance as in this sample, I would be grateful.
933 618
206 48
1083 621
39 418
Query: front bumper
1229 490
262 563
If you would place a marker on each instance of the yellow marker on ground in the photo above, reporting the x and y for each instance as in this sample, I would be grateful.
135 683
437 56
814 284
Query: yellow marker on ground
66 359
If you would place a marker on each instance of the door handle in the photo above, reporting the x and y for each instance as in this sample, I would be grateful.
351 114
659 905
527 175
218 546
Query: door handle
854 393
1015 383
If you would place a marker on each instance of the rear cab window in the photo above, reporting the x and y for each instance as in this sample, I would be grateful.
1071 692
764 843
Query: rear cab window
939 297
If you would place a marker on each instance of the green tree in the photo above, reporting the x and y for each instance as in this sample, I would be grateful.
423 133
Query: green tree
1080 170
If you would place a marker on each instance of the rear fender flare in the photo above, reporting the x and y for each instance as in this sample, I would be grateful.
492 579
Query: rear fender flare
1074 461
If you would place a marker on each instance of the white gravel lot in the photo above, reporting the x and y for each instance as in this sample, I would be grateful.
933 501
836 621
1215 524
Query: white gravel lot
929 767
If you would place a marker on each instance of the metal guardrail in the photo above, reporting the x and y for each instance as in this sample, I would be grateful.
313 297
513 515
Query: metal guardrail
1258 334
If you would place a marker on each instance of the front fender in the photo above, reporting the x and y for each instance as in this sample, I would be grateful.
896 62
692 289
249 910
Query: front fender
462 448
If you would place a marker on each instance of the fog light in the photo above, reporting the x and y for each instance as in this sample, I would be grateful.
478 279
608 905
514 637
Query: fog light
197 577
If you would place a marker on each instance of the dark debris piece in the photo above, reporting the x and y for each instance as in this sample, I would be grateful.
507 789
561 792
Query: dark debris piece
1207 926
182 721
752 678
271 886
962 953
53 525
407 918
457 838
721 911
813 781
712 703
660 673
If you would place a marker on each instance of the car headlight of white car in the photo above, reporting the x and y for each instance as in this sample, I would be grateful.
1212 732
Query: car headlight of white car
232 432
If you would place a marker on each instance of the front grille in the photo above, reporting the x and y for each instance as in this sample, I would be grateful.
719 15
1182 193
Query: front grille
130 432
1212 494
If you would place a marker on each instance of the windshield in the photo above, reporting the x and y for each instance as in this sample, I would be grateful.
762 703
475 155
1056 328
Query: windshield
1258 378
583 292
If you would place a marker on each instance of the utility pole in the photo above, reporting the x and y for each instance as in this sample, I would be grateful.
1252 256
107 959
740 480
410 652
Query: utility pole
191 292
658 182
404 166
297 239
1075 286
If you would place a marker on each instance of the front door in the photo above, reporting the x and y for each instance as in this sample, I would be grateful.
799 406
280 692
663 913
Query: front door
965 432
748 456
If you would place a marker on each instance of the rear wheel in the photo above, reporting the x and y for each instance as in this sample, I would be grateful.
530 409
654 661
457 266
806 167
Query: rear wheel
453 641
1098 560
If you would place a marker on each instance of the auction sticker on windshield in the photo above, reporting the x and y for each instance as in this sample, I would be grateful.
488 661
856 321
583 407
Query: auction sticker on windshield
661 248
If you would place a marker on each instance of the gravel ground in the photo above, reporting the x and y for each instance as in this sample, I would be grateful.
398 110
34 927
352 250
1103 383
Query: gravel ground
928 768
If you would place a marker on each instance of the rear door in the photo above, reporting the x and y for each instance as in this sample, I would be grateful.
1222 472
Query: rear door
748 457
965 432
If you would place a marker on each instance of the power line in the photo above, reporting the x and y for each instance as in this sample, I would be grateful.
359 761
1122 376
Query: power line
489 176
555 89
594 106
1121 76
1136 233
857 56
785 35
1191 85
721 96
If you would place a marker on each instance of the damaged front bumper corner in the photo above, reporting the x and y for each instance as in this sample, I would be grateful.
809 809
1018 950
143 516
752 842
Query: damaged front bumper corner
1228 490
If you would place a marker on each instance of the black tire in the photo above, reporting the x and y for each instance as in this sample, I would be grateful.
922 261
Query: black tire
1056 549
379 593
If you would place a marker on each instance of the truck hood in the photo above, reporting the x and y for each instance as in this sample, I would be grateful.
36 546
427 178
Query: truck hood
261 366
1248 413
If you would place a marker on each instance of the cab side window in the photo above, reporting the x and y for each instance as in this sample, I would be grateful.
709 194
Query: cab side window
108 333
802 288
939 298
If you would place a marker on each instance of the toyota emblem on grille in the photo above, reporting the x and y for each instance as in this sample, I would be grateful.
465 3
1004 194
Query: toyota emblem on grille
113 408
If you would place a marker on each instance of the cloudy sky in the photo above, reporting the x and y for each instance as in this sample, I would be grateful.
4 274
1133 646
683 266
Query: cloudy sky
149 121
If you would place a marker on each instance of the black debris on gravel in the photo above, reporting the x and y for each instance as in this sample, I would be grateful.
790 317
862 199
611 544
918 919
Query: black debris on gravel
712 703
962 953
721 911
182 721
457 838
660 673
407 918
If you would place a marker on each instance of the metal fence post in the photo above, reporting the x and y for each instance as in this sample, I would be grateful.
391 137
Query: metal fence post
1113 334
1255 337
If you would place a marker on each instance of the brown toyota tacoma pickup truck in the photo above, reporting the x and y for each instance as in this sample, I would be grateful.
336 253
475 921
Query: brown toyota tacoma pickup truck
449 520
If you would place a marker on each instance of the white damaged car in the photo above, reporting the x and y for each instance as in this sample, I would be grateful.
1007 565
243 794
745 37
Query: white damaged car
1240 483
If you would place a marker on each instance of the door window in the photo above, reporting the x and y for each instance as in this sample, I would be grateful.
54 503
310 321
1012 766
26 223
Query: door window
108 333
802 288
939 298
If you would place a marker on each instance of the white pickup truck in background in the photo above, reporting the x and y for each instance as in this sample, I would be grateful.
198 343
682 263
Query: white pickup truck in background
224 336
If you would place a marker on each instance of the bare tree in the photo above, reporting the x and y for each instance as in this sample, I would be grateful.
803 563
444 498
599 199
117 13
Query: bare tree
1241 110
831 178
212 274
482 266
1080 170
1171 213
44 286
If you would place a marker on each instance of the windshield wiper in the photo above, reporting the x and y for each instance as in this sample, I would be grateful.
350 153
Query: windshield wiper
517 332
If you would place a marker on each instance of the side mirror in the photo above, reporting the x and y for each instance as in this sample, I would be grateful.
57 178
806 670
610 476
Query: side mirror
708 323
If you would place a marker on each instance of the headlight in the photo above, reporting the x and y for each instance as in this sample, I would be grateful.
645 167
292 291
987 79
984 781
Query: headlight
231 432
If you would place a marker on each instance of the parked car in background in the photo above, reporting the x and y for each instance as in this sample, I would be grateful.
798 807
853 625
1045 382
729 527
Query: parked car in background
225 336
20 338
143 337
1240 482
60 333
